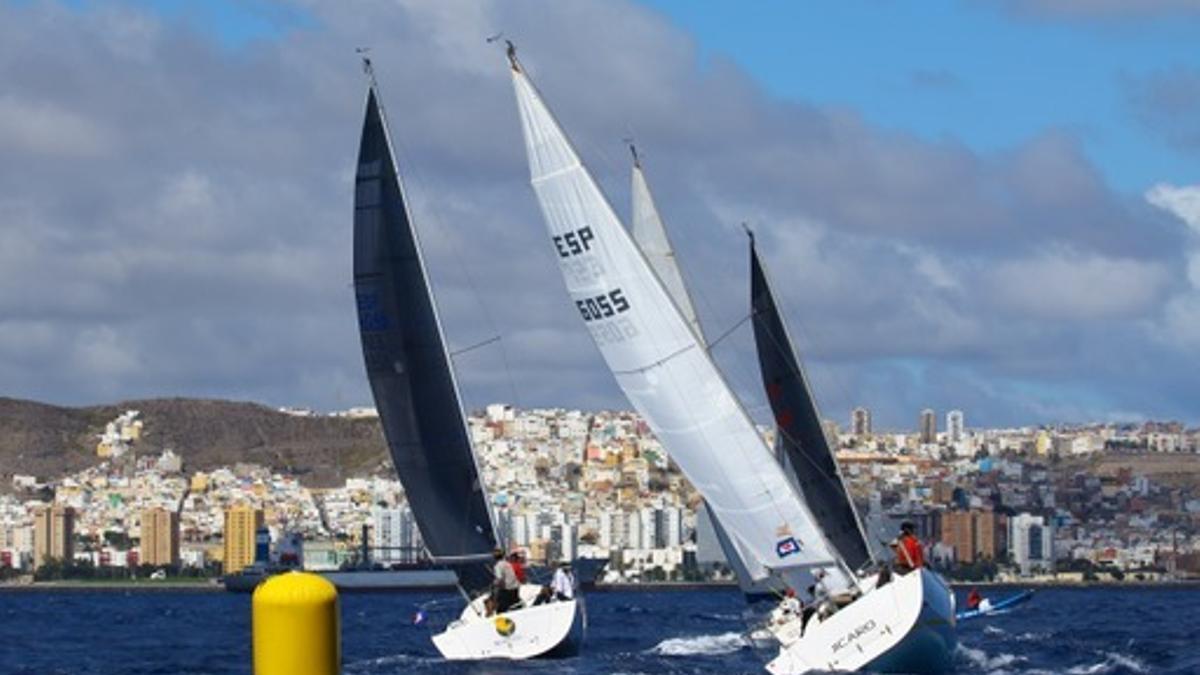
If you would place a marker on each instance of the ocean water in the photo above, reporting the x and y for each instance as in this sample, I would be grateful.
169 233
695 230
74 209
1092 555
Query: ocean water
1079 632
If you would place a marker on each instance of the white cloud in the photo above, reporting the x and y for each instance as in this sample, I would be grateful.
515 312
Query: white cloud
1069 285
1182 201
43 128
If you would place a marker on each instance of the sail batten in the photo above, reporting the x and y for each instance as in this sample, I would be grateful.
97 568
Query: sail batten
407 364
657 359
801 438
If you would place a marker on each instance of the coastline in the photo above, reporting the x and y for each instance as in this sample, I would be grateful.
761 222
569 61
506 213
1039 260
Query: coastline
164 586
213 586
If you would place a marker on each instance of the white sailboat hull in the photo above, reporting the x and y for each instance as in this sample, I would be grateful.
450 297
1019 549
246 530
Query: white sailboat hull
554 628
905 626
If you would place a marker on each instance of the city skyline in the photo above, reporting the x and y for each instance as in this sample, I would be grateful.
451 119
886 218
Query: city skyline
176 202
568 483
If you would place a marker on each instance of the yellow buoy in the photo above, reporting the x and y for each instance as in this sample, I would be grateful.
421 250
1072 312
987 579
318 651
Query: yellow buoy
296 626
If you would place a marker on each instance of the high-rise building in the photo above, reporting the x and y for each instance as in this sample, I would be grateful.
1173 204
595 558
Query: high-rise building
612 530
927 425
974 535
954 426
241 524
566 540
1032 543
395 537
160 538
674 527
860 422
53 535
708 546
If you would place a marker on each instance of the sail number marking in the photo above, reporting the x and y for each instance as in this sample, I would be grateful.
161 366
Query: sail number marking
574 243
603 306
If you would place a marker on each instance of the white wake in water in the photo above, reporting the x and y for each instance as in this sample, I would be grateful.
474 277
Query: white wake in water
1113 661
701 645
984 662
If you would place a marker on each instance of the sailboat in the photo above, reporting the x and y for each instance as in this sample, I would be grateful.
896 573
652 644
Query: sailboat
906 625
660 364
417 397
667 374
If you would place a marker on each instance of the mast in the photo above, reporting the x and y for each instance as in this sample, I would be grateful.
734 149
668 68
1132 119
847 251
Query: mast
408 366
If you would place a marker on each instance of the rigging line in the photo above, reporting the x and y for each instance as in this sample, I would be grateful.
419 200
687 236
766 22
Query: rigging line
736 376
668 357
477 345
729 332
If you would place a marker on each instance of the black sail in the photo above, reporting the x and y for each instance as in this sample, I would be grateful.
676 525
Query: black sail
802 441
407 363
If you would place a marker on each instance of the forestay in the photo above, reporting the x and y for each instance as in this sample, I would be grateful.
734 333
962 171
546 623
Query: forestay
657 360
407 364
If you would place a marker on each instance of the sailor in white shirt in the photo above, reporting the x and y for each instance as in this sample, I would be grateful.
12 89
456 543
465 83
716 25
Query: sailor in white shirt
563 583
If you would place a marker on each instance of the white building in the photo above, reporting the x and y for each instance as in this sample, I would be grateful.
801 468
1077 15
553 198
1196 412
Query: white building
1031 541
394 535
954 426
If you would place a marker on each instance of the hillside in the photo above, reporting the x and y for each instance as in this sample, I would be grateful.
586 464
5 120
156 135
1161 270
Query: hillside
49 441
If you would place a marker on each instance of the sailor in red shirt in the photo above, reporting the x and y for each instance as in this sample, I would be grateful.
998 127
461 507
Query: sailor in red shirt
518 564
909 554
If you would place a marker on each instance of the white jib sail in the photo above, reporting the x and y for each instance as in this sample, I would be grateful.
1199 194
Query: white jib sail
657 359
651 237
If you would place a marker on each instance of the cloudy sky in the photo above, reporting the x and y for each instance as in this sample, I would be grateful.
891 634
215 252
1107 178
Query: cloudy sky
992 205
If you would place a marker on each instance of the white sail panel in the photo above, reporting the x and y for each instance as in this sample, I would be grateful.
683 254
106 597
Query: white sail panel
657 359
651 236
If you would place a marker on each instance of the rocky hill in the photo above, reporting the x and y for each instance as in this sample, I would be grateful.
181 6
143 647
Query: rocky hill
50 441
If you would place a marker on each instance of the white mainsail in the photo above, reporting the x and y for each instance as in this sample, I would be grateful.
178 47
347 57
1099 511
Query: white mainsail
651 237
659 362
650 233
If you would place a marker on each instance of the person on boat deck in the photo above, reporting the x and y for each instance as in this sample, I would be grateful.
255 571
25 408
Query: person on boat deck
544 596
973 599
789 607
504 584
911 556
790 603
807 611
518 564
563 583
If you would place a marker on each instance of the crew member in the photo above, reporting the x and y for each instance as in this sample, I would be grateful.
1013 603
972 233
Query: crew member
518 564
790 605
504 584
973 599
910 555
563 583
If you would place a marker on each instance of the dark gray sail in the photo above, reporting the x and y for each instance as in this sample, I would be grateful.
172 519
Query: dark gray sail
801 439
407 363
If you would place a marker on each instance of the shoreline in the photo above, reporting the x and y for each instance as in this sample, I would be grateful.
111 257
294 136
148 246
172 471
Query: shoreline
165 586
624 587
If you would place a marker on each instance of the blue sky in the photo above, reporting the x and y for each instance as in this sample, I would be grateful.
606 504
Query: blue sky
962 71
